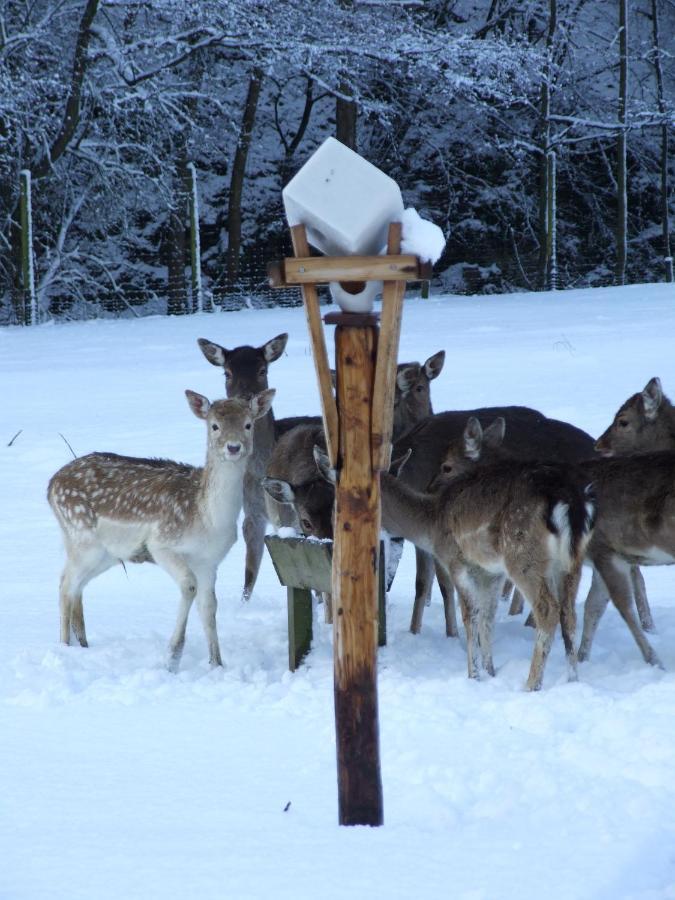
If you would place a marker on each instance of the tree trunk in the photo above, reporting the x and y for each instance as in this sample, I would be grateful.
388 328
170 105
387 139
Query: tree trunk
665 224
551 219
71 116
545 148
237 177
345 120
621 185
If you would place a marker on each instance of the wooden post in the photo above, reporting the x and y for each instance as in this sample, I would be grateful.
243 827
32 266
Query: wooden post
358 437
195 244
355 577
311 303
29 304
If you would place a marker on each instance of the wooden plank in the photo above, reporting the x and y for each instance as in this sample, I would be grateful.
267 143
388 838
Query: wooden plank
322 269
355 576
301 563
387 360
299 625
319 353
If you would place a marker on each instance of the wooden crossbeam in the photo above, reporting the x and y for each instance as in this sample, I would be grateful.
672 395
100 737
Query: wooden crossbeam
321 270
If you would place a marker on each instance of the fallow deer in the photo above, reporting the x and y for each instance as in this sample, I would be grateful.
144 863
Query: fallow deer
530 435
114 508
644 423
635 522
527 521
245 371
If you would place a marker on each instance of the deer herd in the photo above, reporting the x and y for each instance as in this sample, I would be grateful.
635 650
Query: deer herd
494 500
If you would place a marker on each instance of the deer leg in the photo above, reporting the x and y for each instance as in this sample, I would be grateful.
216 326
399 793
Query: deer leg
469 606
186 580
640 592
448 593
254 536
491 588
616 575
546 611
569 584
424 579
78 572
596 603
517 603
207 605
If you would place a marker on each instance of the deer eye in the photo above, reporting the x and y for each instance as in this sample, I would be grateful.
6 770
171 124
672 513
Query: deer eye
419 388
306 524
262 371
446 468
247 426
623 423
215 427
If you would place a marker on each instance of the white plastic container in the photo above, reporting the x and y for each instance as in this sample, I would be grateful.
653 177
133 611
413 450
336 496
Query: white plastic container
346 205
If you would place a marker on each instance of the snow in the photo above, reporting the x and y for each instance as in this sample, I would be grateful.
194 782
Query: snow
118 779
421 237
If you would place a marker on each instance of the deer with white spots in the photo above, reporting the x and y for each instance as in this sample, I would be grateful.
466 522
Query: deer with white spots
183 518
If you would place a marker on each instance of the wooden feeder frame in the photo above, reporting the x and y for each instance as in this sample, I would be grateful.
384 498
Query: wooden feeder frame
358 422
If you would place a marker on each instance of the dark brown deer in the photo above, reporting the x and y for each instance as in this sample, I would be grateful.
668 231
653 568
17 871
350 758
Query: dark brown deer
412 394
644 424
303 496
636 527
184 518
635 524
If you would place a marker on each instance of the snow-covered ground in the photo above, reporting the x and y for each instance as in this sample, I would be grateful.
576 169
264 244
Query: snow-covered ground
119 780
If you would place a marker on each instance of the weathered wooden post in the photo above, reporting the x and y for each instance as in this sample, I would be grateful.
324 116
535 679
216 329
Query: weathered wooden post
358 426
195 243
30 315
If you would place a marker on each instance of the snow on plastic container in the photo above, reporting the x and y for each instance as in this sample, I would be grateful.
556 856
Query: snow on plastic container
346 205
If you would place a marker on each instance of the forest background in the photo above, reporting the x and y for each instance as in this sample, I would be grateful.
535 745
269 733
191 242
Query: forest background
536 134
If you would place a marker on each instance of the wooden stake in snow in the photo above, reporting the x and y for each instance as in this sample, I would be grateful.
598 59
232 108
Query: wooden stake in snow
30 312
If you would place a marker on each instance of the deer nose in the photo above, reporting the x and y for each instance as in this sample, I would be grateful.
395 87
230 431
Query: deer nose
233 449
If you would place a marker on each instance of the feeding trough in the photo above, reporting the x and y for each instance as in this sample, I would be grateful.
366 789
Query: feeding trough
352 212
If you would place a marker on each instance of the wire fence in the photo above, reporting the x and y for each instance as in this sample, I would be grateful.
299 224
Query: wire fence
489 271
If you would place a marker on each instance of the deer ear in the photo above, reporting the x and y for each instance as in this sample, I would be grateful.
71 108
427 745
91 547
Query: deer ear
473 438
397 465
434 365
651 397
215 354
262 403
281 491
323 464
199 405
494 433
406 376
273 349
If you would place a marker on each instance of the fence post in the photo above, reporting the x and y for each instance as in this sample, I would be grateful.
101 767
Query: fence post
29 302
551 215
195 244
